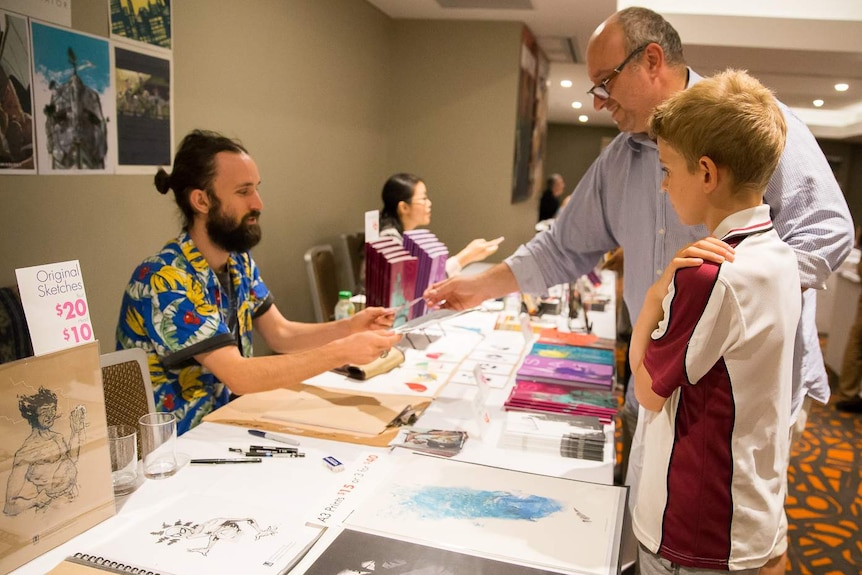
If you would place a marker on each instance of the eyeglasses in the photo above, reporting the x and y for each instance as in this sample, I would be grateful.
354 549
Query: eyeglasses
600 90
425 200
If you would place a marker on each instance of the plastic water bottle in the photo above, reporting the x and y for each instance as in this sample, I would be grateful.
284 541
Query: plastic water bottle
344 308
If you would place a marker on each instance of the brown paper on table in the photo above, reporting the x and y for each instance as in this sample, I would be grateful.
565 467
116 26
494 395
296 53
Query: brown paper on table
321 413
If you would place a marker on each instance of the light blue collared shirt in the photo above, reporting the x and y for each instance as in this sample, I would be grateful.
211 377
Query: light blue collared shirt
619 202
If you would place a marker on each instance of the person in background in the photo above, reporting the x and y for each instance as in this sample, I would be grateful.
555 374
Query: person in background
406 206
712 349
549 203
193 305
636 60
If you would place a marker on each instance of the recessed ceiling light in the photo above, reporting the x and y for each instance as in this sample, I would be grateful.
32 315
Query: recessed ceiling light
566 83
817 103
583 118
842 87
577 105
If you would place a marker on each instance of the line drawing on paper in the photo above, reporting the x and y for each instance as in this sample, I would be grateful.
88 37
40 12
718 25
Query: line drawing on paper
44 468
214 530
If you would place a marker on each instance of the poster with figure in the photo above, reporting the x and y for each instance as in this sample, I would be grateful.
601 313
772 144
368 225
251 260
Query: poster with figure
144 122
55 469
144 22
17 132
74 102
547 522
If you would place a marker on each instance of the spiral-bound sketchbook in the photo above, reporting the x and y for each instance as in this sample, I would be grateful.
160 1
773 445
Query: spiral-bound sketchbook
193 535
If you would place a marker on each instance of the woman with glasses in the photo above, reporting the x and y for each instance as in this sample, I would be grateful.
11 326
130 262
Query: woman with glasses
406 206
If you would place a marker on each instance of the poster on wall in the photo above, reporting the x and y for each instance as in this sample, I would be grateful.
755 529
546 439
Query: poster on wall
146 22
144 123
54 11
17 134
531 121
74 102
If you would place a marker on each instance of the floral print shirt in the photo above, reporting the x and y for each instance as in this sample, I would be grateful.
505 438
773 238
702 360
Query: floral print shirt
175 308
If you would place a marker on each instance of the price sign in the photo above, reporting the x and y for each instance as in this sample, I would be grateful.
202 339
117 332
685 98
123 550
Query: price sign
55 305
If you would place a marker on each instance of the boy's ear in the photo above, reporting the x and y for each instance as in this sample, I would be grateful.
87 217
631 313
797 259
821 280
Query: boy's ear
709 173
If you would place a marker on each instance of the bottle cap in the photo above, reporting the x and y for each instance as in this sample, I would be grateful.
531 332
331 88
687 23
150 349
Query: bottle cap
345 294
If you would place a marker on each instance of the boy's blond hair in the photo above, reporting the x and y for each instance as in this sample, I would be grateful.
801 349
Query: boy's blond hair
732 119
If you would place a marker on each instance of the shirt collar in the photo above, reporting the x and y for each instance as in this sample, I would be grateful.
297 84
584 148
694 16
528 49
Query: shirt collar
744 223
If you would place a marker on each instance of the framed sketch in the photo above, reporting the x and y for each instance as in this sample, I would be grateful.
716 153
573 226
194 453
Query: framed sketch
55 468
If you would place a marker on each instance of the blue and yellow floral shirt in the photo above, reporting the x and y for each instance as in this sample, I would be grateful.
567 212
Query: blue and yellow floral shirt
175 308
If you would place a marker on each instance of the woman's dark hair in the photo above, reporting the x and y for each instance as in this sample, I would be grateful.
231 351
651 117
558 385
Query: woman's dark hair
194 167
398 188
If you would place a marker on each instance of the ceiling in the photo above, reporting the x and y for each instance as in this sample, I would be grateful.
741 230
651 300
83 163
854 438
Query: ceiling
788 44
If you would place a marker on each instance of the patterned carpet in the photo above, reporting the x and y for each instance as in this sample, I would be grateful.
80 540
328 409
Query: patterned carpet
824 502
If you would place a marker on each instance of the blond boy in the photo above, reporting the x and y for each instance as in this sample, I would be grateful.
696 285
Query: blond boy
712 349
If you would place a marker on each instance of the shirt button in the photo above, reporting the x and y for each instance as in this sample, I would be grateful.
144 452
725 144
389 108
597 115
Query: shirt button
661 232
658 272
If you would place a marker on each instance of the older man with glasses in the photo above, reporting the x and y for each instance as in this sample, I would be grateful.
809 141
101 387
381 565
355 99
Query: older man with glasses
636 60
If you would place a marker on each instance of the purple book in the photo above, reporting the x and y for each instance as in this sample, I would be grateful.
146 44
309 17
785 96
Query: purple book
557 370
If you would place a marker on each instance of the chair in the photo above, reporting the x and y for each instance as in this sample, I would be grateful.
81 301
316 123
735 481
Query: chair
320 264
14 335
351 253
128 390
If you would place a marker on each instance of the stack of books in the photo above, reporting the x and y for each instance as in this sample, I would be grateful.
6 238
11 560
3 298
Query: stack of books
565 379
432 255
397 273
578 436
390 276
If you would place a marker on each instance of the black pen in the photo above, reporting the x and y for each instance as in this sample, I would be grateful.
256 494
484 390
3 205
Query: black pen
220 461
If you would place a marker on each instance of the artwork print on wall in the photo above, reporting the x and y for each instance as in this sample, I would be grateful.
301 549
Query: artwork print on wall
74 101
17 135
143 111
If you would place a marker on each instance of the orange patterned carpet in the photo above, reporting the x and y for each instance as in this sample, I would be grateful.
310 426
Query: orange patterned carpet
824 500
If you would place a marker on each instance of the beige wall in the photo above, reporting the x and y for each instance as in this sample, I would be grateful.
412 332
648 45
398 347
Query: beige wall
572 149
452 122
330 97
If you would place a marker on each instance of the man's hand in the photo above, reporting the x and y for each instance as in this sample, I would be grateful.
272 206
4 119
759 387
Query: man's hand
457 293
372 318
694 254
366 346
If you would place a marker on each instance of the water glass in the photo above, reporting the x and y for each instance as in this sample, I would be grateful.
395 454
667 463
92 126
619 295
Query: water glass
158 439
123 446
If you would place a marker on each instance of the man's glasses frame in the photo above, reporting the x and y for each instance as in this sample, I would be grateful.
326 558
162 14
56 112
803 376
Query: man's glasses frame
601 90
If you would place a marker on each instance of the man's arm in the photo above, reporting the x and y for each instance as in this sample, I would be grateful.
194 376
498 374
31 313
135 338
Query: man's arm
284 336
808 208
464 292
251 374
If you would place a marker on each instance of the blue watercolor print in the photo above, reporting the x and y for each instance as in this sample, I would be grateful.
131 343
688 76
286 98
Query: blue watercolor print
436 502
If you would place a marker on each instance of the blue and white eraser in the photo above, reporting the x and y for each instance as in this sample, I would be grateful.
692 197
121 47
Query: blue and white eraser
333 464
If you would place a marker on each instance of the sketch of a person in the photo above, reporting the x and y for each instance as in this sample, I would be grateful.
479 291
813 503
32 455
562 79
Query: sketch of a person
215 530
44 468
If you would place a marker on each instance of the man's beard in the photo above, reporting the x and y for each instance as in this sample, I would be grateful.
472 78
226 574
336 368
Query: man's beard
230 236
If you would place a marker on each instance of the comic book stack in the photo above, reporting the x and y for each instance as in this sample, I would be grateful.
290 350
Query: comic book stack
398 272
557 377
